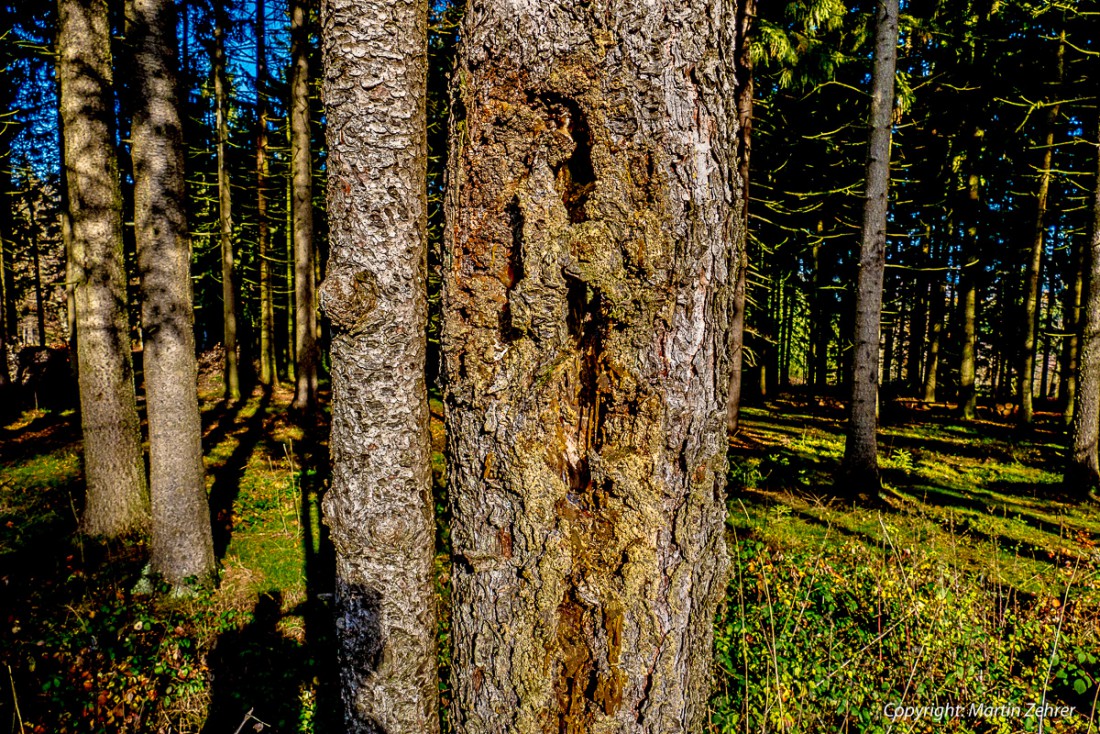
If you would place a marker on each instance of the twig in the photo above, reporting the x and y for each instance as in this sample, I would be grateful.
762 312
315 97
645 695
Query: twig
1054 649
15 700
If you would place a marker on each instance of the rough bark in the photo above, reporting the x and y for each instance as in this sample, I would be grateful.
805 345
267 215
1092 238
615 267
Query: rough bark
231 372
36 262
379 508
1035 259
268 375
116 502
746 16
182 541
588 281
301 174
1082 475
860 467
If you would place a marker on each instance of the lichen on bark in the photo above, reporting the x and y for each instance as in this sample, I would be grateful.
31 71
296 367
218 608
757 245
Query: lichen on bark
592 244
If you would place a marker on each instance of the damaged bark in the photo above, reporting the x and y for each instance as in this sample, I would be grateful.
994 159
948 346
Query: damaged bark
592 200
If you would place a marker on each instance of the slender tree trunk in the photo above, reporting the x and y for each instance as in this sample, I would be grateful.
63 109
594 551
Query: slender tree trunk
36 261
6 222
968 286
225 207
746 16
1082 475
380 508
1034 265
860 467
1071 327
117 501
182 542
587 304
937 312
291 293
305 348
1044 383
268 374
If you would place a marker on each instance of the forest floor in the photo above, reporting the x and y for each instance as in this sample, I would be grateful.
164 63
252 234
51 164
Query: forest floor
976 582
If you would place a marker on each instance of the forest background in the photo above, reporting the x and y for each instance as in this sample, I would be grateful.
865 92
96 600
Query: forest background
972 577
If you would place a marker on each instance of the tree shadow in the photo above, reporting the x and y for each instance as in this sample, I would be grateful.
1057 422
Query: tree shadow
227 477
257 672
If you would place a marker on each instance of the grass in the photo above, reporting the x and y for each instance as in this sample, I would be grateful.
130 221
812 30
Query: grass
975 583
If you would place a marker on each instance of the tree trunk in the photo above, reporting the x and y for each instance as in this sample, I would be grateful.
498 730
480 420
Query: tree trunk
117 502
1071 327
301 165
1048 327
36 261
860 466
182 543
1082 474
937 311
291 293
225 207
379 508
746 16
268 375
587 306
968 285
1035 261
66 229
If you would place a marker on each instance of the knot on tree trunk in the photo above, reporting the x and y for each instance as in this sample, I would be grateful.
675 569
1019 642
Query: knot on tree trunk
348 296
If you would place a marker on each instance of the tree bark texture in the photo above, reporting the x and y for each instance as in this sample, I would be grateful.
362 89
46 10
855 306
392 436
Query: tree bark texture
588 278
117 501
268 374
301 167
379 507
182 542
1071 327
860 467
225 207
746 16
1082 474
1035 260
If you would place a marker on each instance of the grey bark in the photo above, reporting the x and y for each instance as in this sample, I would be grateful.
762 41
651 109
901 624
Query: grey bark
182 541
588 276
225 207
117 501
301 174
379 507
860 467
1082 475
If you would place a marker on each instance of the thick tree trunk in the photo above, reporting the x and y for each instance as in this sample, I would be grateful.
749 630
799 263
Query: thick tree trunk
1035 261
117 501
182 542
746 16
301 167
379 508
860 467
225 207
1082 474
268 374
66 231
588 283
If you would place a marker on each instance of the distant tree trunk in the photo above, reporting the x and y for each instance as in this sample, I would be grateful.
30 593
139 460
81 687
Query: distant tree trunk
1071 327
746 16
36 261
380 509
268 374
937 312
860 467
968 286
182 543
117 502
6 221
1044 383
301 164
1035 262
225 207
1082 475
587 303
